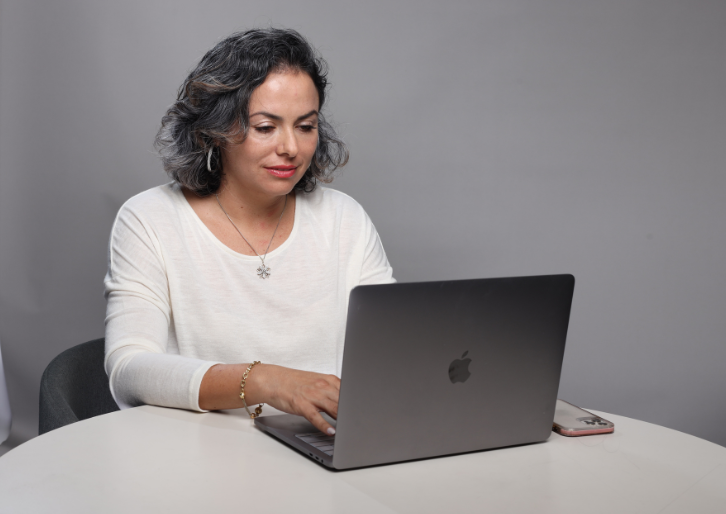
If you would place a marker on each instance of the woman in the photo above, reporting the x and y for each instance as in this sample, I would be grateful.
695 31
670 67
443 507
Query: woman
243 257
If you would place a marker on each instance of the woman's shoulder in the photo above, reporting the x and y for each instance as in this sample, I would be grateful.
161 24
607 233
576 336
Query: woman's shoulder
325 199
153 202
332 210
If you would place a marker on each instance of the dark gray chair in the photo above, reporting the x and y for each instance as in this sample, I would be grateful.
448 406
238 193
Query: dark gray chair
74 387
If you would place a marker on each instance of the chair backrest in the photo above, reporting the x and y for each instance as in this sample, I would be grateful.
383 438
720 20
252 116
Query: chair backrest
74 387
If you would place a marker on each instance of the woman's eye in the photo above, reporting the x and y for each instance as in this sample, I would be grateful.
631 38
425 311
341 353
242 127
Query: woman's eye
307 128
265 129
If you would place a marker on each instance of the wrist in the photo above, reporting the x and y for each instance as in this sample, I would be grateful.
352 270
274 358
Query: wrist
256 390
243 394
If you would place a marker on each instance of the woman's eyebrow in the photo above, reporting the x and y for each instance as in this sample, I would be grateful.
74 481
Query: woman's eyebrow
279 118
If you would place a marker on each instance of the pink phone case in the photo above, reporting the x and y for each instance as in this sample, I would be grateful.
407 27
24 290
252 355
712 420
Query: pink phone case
572 421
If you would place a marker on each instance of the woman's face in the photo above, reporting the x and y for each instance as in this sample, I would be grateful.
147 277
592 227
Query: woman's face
282 137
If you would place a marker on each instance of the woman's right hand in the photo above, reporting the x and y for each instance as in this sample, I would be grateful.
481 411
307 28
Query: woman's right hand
303 393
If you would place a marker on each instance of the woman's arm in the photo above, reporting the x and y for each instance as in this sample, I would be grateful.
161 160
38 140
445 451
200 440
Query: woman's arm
141 369
375 268
290 390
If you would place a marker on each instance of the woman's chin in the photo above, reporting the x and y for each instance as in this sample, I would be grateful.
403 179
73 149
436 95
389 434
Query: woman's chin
281 187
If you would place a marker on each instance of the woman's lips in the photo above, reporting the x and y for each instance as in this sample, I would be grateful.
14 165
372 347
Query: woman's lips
282 171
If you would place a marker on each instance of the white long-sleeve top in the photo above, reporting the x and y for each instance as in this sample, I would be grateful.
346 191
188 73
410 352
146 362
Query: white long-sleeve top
180 301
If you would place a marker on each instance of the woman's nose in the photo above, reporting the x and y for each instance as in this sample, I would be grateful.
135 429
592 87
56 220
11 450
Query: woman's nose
287 145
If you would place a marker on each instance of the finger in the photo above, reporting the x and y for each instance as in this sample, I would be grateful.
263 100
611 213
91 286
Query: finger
326 399
332 395
329 406
319 422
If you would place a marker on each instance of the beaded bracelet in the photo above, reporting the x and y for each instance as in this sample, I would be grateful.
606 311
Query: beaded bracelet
258 410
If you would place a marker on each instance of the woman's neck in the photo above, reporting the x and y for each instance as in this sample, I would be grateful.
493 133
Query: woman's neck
248 206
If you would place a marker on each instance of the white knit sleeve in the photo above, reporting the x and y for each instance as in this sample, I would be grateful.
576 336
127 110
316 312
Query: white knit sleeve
375 269
138 316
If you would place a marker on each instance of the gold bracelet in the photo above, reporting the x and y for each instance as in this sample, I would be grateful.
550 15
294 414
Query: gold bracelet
258 410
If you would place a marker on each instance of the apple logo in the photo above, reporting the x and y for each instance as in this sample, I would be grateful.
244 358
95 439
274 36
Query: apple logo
459 369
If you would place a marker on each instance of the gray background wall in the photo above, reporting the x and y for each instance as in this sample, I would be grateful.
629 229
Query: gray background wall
495 138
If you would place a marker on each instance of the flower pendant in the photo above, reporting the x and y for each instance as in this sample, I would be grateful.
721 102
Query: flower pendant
263 271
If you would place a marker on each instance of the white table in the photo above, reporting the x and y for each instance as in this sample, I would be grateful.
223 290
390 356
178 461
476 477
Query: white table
151 459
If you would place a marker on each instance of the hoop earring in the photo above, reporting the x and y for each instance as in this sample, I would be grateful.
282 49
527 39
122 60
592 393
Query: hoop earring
209 160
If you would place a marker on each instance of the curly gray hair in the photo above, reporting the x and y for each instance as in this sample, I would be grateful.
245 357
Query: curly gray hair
212 107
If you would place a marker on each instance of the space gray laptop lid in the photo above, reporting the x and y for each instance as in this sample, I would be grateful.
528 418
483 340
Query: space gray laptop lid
440 368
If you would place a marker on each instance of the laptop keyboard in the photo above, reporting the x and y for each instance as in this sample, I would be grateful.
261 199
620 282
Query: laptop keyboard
319 440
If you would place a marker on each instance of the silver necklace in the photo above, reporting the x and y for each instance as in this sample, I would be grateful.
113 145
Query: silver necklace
263 271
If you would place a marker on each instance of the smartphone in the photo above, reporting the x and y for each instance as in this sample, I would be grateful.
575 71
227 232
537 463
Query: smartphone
573 421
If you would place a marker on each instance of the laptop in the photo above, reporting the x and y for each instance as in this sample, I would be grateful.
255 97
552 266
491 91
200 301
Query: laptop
442 368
